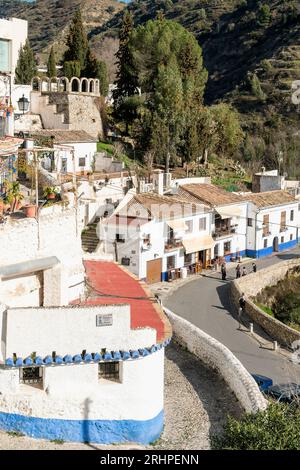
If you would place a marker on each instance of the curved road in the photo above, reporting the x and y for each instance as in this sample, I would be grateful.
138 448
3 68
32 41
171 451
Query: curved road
205 303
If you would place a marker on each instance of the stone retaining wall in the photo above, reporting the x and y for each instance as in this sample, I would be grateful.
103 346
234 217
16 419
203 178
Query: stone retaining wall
254 283
219 357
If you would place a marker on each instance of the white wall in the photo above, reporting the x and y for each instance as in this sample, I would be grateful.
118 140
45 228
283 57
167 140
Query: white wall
237 240
74 392
14 30
81 150
255 239
69 330
220 358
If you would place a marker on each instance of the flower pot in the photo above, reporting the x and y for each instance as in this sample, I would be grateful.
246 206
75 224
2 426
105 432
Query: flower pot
51 196
30 210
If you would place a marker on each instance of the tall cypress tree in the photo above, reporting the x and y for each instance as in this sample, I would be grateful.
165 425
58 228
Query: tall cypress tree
26 67
95 68
51 65
126 77
77 42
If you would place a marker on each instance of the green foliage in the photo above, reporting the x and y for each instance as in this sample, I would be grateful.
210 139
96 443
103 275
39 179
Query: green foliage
71 68
77 43
256 87
264 16
51 65
96 69
26 67
169 66
126 76
227 128
276 428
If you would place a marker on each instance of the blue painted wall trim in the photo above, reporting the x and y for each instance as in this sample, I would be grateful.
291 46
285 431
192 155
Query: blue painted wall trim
269 250
97 431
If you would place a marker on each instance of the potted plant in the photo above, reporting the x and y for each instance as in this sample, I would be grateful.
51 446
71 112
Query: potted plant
14 195
30 210
50 192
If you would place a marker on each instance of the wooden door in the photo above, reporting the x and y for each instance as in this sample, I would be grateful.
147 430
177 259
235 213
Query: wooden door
154 269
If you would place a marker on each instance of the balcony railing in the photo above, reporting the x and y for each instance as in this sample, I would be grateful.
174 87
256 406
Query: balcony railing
224 232
171 245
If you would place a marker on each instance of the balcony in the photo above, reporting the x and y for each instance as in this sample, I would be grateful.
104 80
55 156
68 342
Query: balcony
224 231
173 244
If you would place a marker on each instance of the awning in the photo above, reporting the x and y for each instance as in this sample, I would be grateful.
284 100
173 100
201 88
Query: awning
178 225
192 245
226 212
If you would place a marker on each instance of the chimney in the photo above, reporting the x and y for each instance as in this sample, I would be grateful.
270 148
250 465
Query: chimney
158 181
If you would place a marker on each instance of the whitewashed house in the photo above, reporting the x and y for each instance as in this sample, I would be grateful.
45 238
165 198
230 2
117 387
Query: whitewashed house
75 151
229 218
13 35
90 373
273 220
159 237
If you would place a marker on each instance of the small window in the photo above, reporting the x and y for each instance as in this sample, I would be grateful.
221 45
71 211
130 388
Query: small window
291 237
250 222
120 238
282 240
31 375
227 248
292 216
202 223
170 262
82 161
189 224
265 243
109 371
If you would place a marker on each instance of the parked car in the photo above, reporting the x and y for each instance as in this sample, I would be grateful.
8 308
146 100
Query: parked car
285 392
263 382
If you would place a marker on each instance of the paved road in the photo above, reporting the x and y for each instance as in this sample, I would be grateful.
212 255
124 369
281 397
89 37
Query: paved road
205 303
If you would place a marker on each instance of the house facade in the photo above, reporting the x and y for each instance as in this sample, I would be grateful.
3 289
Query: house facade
88 373
159 237
75 151
228 221
272 222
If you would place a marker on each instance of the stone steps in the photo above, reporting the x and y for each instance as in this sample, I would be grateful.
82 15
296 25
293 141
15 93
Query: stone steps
89 238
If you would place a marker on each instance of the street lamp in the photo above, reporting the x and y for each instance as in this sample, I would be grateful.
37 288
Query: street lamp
23 104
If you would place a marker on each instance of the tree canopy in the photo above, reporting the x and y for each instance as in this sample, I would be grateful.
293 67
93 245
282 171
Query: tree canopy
26 67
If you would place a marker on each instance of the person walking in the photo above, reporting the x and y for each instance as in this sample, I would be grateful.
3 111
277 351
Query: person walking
223 272
238 271
242 304
254 267
244 272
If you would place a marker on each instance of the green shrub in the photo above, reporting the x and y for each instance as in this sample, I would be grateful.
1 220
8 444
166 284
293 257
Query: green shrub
277 428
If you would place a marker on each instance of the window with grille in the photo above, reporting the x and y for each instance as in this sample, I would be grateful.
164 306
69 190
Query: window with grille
283 221
109 370
82 161
266 225
31 375
292 216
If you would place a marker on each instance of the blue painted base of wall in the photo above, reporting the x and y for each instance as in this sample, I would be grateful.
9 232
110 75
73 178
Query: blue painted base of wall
97 431
234 255
269 250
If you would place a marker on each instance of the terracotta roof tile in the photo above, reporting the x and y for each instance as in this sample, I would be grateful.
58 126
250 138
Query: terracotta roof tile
269 198
61 136
208 193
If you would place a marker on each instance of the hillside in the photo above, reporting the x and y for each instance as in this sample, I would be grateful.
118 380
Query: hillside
49 19
251 49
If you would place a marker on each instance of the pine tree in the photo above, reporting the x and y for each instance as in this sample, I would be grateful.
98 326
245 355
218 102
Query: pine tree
26 67
77 42
51 65
126 77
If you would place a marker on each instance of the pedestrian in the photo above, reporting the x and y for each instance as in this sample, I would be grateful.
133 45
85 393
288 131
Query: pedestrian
216 264
244 272
238 271
242 304
223 272
254 267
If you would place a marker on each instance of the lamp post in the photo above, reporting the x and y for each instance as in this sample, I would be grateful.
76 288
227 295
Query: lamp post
23 104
